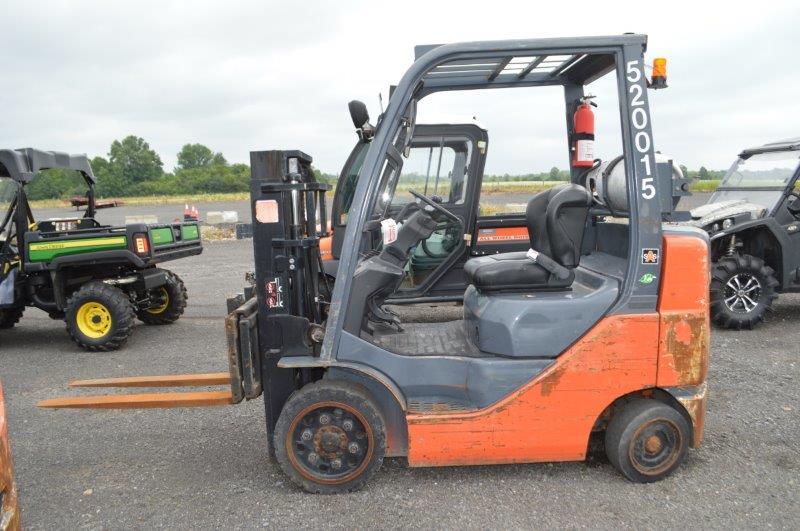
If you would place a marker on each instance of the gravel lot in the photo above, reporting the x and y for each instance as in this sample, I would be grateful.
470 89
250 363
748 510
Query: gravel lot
208 468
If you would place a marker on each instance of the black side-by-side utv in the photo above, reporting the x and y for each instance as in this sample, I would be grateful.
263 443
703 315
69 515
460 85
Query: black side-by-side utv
753 219
95 277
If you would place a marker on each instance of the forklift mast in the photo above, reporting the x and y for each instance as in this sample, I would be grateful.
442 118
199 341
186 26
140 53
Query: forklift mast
283 319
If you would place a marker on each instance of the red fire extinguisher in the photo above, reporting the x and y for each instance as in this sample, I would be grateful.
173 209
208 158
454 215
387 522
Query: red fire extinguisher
583 136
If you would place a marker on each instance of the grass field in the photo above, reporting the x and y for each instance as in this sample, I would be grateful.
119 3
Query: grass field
704 186
155 200
489 188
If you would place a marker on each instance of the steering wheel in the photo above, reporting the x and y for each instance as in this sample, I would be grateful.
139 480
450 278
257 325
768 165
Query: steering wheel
451 221
436 206
794 206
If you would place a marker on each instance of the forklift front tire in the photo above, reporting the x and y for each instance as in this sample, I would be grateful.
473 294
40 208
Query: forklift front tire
330 437
646 440
99 316
169 302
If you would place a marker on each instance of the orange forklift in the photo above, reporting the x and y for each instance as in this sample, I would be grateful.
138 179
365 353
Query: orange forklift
599 331
9 502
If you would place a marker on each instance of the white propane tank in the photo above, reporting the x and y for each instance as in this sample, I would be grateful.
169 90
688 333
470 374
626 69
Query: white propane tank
608 185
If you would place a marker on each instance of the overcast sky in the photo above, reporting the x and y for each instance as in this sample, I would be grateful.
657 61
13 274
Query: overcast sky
241 76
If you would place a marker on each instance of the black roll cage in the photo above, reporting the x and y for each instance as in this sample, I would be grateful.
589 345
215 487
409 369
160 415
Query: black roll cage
23 165
488 64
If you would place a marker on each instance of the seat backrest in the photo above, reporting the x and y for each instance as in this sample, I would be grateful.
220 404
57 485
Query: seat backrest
536 218
556 222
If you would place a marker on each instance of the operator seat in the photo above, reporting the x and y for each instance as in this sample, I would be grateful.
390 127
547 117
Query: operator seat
556 220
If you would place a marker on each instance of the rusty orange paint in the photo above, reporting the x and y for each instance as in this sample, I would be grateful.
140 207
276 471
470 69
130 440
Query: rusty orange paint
697 411
9 502
503 234
683 306
695 405
325 247
551 417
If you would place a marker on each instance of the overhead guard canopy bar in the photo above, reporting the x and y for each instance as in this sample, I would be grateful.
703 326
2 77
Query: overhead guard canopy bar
521 63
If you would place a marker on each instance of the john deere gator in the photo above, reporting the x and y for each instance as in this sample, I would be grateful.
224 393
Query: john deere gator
95 277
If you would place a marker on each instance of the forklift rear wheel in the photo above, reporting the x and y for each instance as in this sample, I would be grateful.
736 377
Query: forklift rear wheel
330 437
646 440
10 317
99 316
169 302
742 291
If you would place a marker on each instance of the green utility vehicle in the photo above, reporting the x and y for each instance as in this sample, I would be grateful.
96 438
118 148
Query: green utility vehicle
96 277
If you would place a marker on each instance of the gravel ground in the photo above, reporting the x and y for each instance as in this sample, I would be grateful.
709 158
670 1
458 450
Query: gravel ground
208 468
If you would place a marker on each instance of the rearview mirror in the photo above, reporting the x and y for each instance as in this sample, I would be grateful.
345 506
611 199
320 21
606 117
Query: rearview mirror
360 116
359 113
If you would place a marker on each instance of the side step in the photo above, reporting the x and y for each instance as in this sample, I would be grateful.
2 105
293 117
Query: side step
149 400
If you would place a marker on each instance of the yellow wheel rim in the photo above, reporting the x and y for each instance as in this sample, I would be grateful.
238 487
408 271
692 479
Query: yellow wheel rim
93 319
161 308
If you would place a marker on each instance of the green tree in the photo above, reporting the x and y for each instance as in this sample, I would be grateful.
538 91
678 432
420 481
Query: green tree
131 162
198 156
703 174
102 175
56 183
554 174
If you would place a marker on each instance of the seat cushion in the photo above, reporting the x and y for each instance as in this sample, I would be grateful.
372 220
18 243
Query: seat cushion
511 272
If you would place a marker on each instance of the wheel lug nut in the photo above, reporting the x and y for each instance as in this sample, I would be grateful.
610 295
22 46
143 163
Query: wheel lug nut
353 448
336 464
312 458
324 418
347 425
306 435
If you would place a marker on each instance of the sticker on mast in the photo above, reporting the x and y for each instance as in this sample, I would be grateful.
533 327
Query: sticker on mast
274 293
640 120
